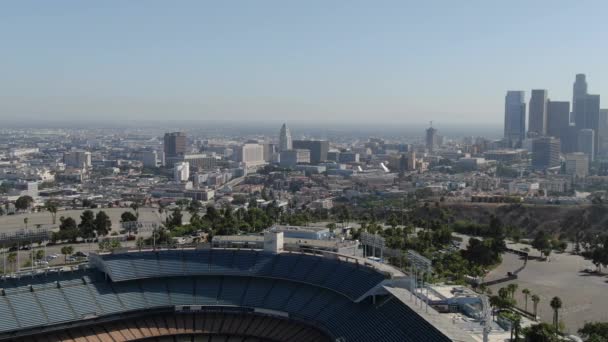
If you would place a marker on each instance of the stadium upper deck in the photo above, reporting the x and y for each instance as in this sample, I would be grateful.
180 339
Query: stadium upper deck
316 292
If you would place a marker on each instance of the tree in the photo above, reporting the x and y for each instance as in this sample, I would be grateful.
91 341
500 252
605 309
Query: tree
128 216
512 289
542 242
535 301
140 243
24 202
194 207
102 223
67 223
87 224
25 221
542 332
135 207
51 207
12 259
175 219
556 304
39 254
109 245
66 250
526 293
594 331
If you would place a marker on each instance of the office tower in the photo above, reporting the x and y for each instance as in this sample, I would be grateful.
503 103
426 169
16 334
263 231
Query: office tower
148 158
77 159
558 117
587 116
349 157
569 139
537 119
181 171
603 132
175 144
545 153
291 158
250 154
431 138
577 164
515 117
333 156
269 151
411 161
285 139
579 90
586 142
318 149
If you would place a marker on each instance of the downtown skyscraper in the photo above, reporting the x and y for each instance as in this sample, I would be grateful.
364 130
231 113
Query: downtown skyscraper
579 89
285 143
537 119
515 117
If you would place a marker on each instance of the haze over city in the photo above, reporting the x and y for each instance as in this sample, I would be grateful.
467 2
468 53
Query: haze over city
384 62
303 171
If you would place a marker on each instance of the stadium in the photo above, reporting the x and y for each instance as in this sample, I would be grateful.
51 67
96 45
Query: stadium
216 295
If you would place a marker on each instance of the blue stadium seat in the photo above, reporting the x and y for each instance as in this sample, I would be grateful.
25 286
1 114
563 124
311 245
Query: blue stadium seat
181 291
232 291
257 291
207 290
8 321
130 295
155 292
56 306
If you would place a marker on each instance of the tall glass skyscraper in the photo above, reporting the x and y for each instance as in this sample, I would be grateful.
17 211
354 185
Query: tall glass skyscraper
537 119
579 89
515 117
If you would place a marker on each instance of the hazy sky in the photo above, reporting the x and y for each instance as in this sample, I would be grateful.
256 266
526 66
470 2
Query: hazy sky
392 61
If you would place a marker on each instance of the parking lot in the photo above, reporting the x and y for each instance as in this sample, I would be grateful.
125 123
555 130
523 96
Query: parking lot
583 295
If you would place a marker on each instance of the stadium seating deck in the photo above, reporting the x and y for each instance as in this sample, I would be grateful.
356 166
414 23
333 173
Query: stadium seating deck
322 296
333 274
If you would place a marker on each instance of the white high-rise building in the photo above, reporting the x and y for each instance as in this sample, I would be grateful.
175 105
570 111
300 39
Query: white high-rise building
181 172
577 164
285 139
515 117
250 154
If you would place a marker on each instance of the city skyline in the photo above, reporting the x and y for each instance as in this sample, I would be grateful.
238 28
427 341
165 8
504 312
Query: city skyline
308 62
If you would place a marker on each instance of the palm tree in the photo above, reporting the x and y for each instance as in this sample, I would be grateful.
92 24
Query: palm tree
52 208
140 243
12 258
556 304
526 293
512 289
66 250
535 301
